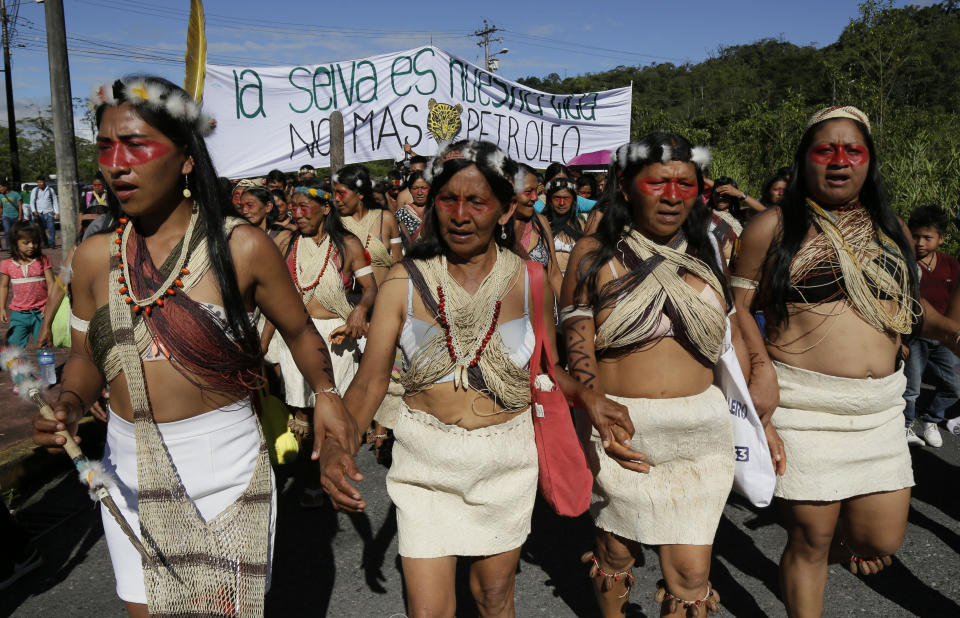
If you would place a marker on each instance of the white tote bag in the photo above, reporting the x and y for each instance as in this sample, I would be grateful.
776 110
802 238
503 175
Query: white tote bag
753 477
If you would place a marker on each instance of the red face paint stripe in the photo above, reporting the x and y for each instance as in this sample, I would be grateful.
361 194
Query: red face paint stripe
670 188
130 153
839 155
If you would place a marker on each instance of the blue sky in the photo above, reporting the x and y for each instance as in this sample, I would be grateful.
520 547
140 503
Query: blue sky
108 38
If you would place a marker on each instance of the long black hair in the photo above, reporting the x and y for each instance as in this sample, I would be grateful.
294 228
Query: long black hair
796 219
618 215
332 224
356 177
207 195
496 167
569 223
588 180
783 174
266 198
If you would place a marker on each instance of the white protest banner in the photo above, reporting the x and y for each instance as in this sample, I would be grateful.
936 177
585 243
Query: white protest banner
278 117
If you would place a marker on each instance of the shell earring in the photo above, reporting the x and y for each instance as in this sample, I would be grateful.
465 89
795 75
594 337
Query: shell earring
503 232
186 186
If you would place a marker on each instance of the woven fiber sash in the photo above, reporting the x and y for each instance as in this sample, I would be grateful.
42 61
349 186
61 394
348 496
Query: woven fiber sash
212 568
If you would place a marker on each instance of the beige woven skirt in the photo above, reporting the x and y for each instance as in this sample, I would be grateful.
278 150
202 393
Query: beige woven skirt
461 492
689 443
842 437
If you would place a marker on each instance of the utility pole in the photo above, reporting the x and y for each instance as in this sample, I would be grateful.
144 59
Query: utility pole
64 144
11 115
490 61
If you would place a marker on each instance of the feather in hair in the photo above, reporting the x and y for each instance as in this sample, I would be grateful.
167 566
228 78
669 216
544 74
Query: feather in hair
701 156
196 56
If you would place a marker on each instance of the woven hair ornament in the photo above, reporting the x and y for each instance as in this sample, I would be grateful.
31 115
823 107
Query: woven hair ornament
635 152
139 91
494 159
838 111
92 474
559 184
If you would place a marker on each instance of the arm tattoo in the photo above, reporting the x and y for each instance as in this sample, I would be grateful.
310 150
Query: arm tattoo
580 352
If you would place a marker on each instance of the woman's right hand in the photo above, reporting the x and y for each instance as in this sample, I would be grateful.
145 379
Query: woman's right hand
336 465
728 191
68 413
3 314
612 421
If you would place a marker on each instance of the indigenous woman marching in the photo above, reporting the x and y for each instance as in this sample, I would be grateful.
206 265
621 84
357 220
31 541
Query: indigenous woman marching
566 223
532 229
377 230
281 214
464 472
324 262
375 227
256 205
725 208
160 312
410 217
834 274
646 296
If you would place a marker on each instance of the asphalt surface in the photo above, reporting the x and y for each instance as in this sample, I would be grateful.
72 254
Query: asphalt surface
337 565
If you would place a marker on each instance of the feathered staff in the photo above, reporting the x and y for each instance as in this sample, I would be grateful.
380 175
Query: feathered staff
196 57
92 474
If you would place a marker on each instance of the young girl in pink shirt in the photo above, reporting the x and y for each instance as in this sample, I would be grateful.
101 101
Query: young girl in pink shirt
30 274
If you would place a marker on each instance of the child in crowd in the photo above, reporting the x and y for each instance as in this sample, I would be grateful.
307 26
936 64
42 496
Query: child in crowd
939 275
30 274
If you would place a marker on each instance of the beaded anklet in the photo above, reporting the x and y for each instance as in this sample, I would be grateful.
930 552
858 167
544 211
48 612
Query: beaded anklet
711 600
608 578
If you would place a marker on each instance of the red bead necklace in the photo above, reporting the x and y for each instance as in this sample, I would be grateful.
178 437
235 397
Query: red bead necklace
445 324
323 269
847 207
142 305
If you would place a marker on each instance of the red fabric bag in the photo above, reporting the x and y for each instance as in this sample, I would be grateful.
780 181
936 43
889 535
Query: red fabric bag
565 478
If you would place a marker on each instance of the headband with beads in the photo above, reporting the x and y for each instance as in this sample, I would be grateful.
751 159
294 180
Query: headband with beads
495 159
312 192
634 152
139 91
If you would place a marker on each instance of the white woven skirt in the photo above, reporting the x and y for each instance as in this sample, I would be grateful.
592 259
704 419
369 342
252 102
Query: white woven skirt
461 492
345 358
843 437
689 443
214 454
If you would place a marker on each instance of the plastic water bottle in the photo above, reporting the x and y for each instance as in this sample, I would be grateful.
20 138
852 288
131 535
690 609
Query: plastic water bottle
48 370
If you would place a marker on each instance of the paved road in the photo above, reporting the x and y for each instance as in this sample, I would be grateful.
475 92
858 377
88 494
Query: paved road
335 565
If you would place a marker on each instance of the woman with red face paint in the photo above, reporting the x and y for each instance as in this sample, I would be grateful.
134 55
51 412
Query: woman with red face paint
566 223
165 299
835 276
646 296
256 204
324 262
361 215
464 472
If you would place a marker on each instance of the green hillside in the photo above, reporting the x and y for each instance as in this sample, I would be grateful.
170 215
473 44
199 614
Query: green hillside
749 102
